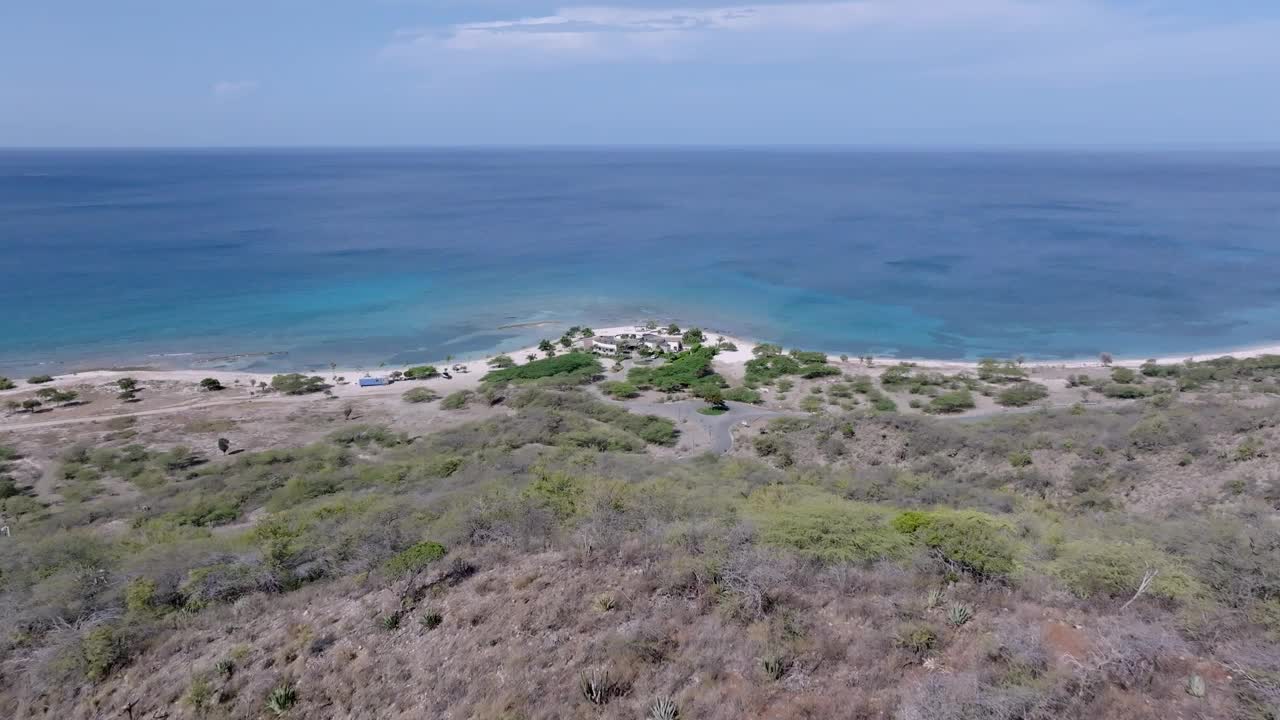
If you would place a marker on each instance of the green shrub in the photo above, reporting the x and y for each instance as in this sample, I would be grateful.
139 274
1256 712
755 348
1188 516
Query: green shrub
416 558
952 402
39 379
1022 394
456 400
199 693
999 371
501 362
1093 568
974 541
557 493
431 620
1020 458
420 395
619 390
574 368
742 395
363 435
681 371
916 638
140 594
1124 391
825 527
1123 375
298 384
104 649
6 384
421 372
883 403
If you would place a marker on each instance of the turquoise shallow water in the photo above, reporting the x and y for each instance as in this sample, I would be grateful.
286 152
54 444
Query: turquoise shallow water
270 259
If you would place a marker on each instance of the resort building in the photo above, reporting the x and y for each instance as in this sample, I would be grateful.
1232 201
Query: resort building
627 342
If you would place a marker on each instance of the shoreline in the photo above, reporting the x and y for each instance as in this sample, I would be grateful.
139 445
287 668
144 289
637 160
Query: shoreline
478 366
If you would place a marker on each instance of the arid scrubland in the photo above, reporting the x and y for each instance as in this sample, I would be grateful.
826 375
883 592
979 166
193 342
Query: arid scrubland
1108 548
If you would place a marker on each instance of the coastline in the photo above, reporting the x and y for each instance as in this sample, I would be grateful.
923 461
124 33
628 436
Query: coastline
476 367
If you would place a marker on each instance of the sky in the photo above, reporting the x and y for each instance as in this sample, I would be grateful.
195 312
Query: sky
901 73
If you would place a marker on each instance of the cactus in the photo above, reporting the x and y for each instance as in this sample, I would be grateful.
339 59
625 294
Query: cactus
664 708
959 615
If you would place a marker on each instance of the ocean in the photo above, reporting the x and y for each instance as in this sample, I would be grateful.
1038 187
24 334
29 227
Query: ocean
273 259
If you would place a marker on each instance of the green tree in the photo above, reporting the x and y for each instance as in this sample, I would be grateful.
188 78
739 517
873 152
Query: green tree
213 384
673 329
711 394
55 395
296 383
693 336
31 405
546 346
127 384
421 372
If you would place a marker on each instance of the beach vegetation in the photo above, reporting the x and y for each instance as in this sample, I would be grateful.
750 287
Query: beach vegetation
743 395
693 336
501 362
54 395
1000 371
955 401
39 379
420 395
1124 375
575 368
673 329
6 384
1022 394
421 372
127 384
619 390
1124 391
681 371
208 384
457 400
298 384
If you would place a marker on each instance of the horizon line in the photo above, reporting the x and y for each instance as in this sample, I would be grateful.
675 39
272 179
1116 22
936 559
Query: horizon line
793 147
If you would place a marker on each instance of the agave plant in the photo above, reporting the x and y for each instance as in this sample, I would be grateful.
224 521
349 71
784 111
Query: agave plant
596 686
959 615
775 666
281 699
933 599
664 708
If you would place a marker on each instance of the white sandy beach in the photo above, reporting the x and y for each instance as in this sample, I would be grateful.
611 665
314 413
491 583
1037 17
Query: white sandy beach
731 362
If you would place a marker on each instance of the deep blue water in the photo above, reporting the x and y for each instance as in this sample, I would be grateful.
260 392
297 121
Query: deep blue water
361 257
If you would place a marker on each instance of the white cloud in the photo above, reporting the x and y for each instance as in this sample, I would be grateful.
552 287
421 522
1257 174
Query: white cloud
1005 37
602 33
228 90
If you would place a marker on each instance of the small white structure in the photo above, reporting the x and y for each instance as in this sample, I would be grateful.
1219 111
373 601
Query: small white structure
603 344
